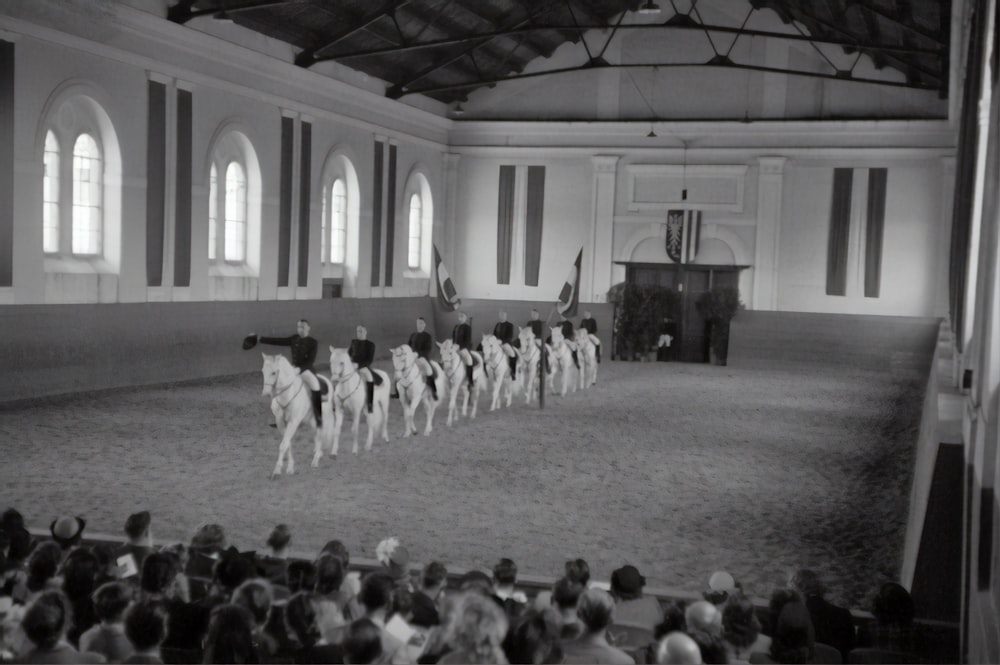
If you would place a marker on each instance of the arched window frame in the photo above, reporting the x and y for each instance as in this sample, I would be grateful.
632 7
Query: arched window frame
50 194
339 166
235 234
88 184
418 185
414 232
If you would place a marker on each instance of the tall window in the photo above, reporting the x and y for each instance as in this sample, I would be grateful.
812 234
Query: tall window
416 221
50 195
338 221
87 185
236 213
213 213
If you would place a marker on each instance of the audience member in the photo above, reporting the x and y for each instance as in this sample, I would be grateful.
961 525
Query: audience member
302 619
565 598
632 607
892 641
596 610
272 566
479 582
256 596
187 621
352 579
301 576
433 580
504 579
477 632
230 636
146 624
396 561
721 586
46 623
139 545
231 570
376 598
741 629
704 616
534 639
793 639
108 636
711 645
363 643
833 625
677 648
779 598
67 531
673 619
79 573
207 546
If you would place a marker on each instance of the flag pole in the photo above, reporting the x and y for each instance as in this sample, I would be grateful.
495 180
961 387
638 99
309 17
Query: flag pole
543 379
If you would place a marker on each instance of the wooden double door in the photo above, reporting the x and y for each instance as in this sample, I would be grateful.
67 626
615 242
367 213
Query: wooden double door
689 282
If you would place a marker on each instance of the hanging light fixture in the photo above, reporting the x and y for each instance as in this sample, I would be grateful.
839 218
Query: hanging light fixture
684 166
458 111
652 134
649 7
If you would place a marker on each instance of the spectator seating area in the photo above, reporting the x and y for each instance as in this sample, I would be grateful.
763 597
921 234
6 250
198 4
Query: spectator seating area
72 596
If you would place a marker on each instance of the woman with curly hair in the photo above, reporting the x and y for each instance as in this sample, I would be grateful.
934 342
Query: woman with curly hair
597 612
741 629
230 636
303 618
46 623
477 631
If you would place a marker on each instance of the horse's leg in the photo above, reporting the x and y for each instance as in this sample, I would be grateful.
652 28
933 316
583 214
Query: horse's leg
338 422
497 386
356 423
430 406
404 400
286 446
279 416
510 390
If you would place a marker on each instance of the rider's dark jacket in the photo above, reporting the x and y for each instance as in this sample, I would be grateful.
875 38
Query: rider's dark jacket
303 349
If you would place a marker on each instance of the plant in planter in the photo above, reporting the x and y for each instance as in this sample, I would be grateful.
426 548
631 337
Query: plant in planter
638 310
718 307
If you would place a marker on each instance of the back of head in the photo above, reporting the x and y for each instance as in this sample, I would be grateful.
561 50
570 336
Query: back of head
209 539
43 565
230 636
779 598
137 525
711 645
280 536
300 576
596 610
534 639
578 570
678 648
740 626
79 573
673 619
703 615
505 572
111 599
807 583
566 594
793 637
477 581
47 619
376 591
329 574
338 549
893 606
627 583
479 629
362 643
158 572
433 575
300 618
233 569
256 596
146 624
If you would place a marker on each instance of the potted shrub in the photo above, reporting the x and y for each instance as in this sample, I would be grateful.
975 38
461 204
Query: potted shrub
718 307
638 310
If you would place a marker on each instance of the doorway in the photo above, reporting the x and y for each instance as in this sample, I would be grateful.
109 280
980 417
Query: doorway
688 281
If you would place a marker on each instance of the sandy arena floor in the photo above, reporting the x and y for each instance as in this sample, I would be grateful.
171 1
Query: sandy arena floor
679 469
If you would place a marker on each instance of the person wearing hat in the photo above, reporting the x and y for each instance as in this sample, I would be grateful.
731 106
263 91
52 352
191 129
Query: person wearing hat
461 335
631 606
67 531
721 586
362 353
206 546
590 325
535 323
422 344
303 356
139 545
677 648
272 566
504 331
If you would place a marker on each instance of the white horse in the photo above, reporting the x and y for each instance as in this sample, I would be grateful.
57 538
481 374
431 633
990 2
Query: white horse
561 357
497 371
349 395
292 407
412 385
454 371
529 358
587 353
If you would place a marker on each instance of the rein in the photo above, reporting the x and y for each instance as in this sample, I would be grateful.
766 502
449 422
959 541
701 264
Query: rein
341 380
275 396
406 374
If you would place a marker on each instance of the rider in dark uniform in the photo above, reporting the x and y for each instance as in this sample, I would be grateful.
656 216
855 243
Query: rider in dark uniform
461 335
422 343
504 331
362 353
303 356
590 325
567 331
535 324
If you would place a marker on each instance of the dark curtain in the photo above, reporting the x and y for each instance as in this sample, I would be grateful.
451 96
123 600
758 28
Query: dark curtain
156 169
377 212
182 197
505 223
305 192
6 163
390 216
533 224
873 235
965 175
285 204
840 228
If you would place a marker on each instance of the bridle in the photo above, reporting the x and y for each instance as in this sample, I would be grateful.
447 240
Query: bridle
341 381
276 396
406 374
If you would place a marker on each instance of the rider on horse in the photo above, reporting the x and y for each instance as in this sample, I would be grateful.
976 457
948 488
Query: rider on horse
590 325
461 335
303 356
422 343
504 331
362 353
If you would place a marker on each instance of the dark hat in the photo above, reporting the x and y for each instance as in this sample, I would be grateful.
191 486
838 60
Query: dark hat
209 537
234 568
423 612
137 523
627 580
249 342
67 530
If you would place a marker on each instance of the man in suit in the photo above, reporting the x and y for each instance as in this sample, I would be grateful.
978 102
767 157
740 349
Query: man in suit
362 353
303 356
422 343
833 625
590 325
504 331
461 335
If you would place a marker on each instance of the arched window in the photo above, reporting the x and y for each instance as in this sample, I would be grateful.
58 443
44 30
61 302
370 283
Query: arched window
235 213
337 241
213 213
87 186
416 222
50 195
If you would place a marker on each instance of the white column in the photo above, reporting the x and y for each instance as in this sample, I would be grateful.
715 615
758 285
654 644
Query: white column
770 178
602 221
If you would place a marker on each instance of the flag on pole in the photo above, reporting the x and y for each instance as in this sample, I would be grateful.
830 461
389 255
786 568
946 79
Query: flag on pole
683 233
569 297
447 295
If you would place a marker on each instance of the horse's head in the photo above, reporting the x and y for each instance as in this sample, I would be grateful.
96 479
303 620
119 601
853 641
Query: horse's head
270 373
402 357
340 363
557 335
526 335
447 350
582 335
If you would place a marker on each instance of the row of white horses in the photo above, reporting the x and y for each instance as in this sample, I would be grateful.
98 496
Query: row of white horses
292 409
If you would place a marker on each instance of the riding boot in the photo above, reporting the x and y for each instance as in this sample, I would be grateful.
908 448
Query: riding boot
468 376
513 368
317 402
433 387
370 392
576 360
395 391
598 349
